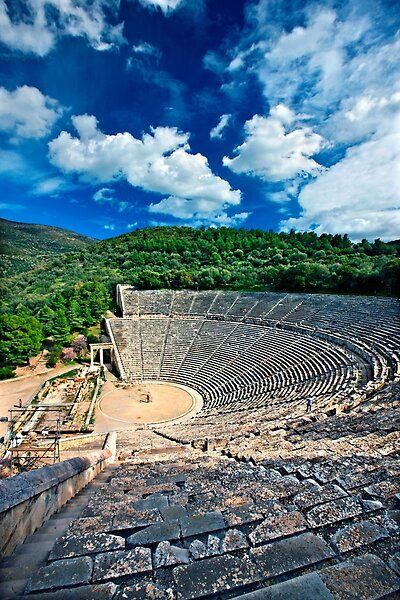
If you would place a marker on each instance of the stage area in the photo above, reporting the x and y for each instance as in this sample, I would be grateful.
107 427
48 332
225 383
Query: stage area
122 408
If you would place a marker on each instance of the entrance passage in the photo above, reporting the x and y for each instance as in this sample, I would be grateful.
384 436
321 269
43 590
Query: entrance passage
145 402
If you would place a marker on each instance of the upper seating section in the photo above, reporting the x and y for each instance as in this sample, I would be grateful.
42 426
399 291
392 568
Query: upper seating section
375 321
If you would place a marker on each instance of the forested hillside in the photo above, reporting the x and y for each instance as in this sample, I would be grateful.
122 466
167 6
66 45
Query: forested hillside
68 292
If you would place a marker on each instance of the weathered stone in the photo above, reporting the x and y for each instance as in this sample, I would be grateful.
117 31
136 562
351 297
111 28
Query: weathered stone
385 490
312 494
144 591
89 525
89 543
371 505
154 501
357 535
211 521
279 526
305 587
332 512
119 563
361 579
239 516
166 530
197 549
126 518
213 545
233 540
62 574
167 555
213 575
102 591
394 562
290 554
173 513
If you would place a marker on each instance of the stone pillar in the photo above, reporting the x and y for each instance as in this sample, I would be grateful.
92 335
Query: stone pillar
101 357
91 357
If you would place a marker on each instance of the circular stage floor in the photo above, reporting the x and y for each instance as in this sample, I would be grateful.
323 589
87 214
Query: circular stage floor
122 408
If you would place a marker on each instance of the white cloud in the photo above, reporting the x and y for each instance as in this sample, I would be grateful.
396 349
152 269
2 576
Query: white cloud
36 32
52 186
103 195
27 113
158 162
275 152
106 196
146 48
359 195
110 227
131 225
167 6
217 131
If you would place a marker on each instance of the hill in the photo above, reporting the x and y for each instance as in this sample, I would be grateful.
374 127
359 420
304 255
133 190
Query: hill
19 238
65 293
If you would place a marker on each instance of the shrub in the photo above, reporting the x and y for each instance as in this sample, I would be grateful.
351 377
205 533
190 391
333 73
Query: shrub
6 373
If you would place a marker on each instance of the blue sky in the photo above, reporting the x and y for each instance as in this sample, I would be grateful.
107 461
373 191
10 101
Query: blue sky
262 113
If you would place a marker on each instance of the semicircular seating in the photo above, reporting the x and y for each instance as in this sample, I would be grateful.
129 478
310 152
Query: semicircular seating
244 351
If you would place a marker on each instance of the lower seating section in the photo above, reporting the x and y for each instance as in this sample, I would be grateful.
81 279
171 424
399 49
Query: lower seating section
174 523
234 365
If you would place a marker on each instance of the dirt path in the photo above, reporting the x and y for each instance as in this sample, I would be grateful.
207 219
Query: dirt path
12 391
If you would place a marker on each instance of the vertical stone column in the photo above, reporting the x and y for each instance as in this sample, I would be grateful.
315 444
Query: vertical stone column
101 357
91 357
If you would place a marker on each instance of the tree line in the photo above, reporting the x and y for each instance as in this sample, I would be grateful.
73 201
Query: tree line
64 295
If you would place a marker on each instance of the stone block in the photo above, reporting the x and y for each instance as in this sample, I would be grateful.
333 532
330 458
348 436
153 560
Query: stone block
213 575
154 501
279 526
197 549
89 543
167 555
285 556
312 494
333 512
394 562
240 516
143 591
173 513
112 565
357 535
166 530
196 525
362 578
61 574
131 519
102 591
233 540
305 587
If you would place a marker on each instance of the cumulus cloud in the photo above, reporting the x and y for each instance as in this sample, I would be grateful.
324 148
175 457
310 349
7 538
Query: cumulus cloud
359 194
27 113
159 161
276 149
217 131
37 30
338 67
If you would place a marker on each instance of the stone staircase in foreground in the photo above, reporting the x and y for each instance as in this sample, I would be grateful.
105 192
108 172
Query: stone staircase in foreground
173 522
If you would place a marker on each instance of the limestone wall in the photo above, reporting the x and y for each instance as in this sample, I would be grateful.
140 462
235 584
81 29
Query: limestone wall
29 499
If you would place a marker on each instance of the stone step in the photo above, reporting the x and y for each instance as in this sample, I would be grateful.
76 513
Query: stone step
305 587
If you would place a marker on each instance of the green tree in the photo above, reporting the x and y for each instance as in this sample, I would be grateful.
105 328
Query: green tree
20 338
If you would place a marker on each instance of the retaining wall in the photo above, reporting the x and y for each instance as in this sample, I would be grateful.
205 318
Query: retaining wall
29 499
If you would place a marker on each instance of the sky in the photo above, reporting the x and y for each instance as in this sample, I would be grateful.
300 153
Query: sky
270 114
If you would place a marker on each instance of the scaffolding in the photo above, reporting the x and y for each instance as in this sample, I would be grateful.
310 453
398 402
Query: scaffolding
32 446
